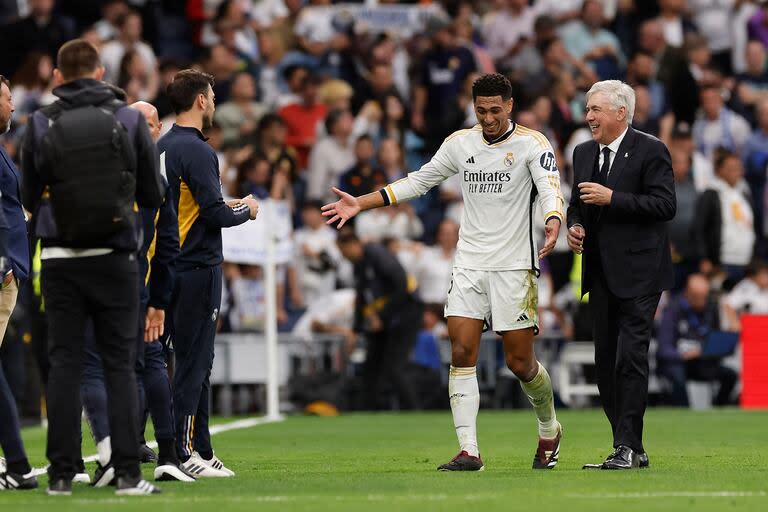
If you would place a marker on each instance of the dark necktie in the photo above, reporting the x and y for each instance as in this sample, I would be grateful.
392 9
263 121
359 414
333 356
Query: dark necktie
605 167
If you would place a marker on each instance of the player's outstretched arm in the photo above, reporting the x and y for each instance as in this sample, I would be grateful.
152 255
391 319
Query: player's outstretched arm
348 206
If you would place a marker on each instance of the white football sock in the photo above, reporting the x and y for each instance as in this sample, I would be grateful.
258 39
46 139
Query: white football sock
539 391
464 394
104 449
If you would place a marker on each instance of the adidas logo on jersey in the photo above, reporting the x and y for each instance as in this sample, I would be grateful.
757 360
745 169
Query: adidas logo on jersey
522 318
471 160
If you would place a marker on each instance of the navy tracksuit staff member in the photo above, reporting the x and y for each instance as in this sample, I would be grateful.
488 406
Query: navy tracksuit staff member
14 267
192 169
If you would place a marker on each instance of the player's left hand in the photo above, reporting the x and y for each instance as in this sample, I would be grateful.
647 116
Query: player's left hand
551 229
154 324
594 193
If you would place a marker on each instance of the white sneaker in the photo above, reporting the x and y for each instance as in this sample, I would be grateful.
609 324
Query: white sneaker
2 465
215 463
199 468
172 472
81 478
135 487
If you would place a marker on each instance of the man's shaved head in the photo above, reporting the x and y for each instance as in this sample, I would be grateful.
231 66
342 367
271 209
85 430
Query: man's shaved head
150 114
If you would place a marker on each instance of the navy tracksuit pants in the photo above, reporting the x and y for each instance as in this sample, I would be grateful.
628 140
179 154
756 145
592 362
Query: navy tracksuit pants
197 299
154 388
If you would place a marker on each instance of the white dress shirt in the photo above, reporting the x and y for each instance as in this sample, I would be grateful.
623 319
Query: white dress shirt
614 147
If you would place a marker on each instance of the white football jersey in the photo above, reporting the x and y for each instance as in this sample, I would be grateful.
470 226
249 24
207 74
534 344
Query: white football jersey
500 183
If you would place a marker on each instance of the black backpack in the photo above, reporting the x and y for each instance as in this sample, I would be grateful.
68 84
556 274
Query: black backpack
89 165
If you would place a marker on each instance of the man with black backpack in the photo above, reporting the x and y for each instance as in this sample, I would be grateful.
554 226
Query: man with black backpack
88 161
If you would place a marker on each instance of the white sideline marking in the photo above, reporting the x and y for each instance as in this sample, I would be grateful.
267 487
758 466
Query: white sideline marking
313 498
215 429
674 494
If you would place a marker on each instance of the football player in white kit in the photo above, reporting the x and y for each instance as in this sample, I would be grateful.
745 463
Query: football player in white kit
504 168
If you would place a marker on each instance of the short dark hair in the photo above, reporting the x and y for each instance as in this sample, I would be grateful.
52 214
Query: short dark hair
491 85
641 53
124 17
291 69
346 236
755 267
77 58
312 204
366 137
721 154
185 87
268 120
333 118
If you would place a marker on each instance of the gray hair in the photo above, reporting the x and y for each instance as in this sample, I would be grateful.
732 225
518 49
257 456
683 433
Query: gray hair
619 95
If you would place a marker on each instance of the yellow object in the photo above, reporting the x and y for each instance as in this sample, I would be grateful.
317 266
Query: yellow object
321 408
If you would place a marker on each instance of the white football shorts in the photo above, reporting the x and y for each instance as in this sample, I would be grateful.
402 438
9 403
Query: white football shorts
506 299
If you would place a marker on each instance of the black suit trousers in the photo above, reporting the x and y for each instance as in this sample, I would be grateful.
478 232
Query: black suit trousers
105 289
622 332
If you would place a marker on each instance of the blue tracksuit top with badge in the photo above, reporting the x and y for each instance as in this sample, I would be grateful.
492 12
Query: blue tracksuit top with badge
192 169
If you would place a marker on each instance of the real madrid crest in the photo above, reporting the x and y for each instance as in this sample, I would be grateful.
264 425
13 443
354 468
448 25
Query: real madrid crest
509 159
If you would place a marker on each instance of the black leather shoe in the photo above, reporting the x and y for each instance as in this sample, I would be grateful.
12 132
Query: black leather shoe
623 457
642 459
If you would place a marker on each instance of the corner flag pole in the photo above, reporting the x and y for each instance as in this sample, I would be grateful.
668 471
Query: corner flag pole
270 329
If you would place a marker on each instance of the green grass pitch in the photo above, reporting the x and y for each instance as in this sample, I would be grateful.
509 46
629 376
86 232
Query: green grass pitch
702 461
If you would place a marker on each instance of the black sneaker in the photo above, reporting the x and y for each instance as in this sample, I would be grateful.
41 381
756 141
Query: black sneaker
104 475
642 460
548 451
59 487
135 487
10 481
172 471
463 462
146 455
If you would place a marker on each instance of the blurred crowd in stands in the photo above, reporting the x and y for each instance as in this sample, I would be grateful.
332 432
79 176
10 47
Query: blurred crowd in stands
314 94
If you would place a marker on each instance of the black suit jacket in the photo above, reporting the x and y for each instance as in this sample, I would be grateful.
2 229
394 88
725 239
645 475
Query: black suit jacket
632 231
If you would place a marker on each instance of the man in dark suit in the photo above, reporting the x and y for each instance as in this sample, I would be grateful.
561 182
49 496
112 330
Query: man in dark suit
14 267
623 195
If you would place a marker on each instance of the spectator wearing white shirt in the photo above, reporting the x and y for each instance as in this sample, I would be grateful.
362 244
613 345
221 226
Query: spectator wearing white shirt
317 256
713 20
435 264
507 30
129 37
111 11
233 15
749 296
397 222
331 156
717 125
271 54
333 313
240 116
268 13
724 230
314 28
674 22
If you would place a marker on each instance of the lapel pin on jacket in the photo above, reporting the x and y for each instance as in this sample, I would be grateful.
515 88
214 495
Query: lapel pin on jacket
626 155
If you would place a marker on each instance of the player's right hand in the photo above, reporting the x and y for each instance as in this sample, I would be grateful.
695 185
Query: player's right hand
154 324
576 239
253 206
342 210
